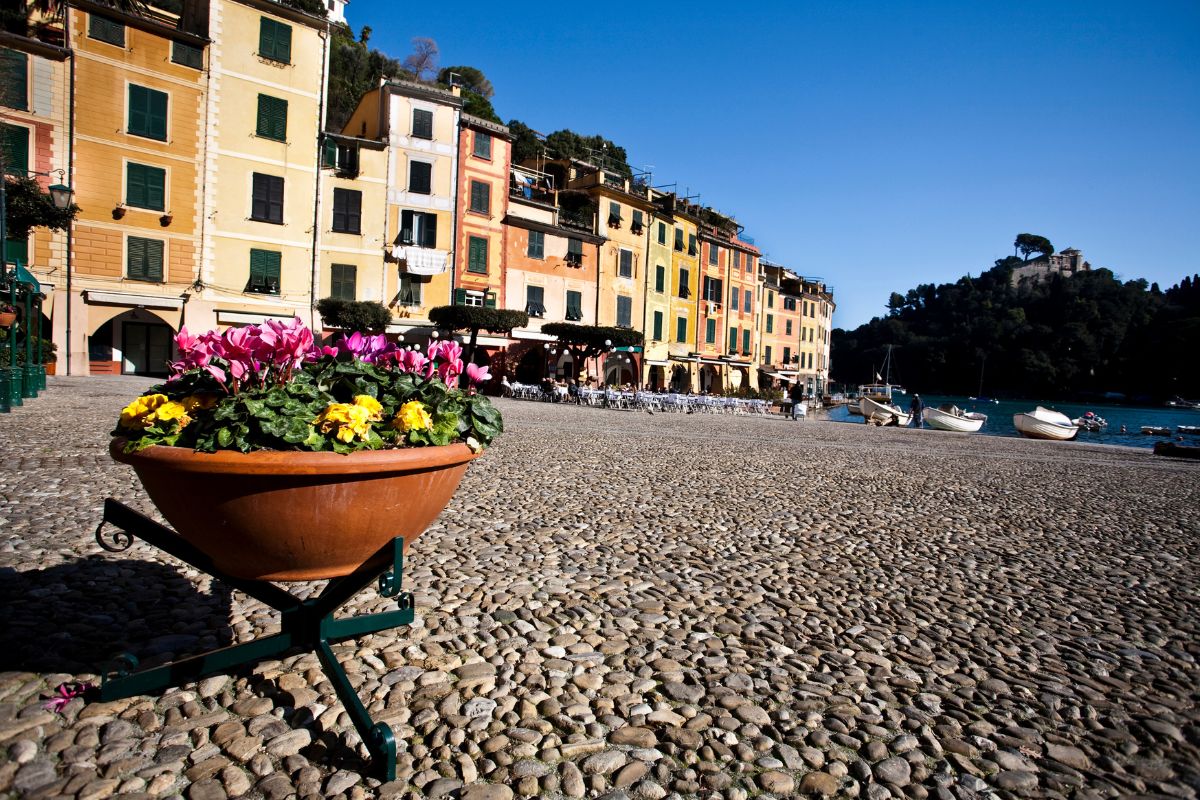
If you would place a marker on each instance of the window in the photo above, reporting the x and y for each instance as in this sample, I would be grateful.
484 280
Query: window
535 301
804 308
342 280
264 271
770 323
713 290
625 265
422 124
574 306
733 340
144 259
481 197
746 342
691 244
272 118
767 354
14 147
418 228
342 156
749 263
575 251
477 254
624 311
537 245
470 297
787 328
147 113
658 326
636 227
735 299
770 299
662 233
684 290
681 329
746 299
106 30
14 79
614 215
145 187
410 290
275 41
679 239
347 211
787 355
482 145
267 199
713 254
737 259
187 55
420 177
660 278
710 331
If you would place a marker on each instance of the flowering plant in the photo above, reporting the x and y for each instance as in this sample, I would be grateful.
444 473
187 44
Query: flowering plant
6 308
270 387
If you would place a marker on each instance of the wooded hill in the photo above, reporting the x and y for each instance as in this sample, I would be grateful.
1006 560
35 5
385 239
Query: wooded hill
1079 336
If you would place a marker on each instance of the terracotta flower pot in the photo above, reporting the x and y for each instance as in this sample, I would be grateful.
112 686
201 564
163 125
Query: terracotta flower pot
7 318
297 516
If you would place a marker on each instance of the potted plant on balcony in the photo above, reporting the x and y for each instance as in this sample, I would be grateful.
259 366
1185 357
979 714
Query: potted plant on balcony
283 461
8 315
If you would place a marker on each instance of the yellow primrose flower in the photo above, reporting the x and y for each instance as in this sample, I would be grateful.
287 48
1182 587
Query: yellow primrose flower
135 416
371 404
169 411
345 420
412 417
202 401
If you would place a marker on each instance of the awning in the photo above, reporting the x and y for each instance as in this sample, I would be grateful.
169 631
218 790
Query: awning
716 362
534 335
26 277
637 348
131 300
654 362
421 260
684 359
249 317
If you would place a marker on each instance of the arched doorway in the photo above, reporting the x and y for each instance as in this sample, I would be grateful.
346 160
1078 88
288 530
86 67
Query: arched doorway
619 369
681 379
710 379
135 342
657 379
532 366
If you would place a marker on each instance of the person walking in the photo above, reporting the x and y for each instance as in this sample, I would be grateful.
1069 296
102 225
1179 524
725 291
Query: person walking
796 394
915 410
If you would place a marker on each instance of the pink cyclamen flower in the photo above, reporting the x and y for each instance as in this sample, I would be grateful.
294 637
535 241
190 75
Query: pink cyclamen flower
477 374
66 693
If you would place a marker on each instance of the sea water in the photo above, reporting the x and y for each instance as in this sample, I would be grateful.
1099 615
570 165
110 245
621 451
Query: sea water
1000 418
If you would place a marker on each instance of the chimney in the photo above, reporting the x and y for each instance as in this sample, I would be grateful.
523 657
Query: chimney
456 90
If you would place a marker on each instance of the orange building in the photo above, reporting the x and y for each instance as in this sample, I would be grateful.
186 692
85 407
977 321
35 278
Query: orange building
484 150
138 150
781 324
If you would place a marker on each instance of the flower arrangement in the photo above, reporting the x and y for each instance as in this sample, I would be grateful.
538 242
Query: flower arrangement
271 387
7 308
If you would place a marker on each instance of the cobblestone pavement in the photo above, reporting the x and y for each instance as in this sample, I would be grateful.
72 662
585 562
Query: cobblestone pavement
646 606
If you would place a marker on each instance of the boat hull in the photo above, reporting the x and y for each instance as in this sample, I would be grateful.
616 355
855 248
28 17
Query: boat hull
942 421
1031 427
879 414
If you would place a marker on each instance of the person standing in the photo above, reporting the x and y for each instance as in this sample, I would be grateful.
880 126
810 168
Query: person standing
796 394
915 410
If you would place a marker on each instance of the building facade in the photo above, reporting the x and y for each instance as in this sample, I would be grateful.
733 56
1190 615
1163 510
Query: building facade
353 245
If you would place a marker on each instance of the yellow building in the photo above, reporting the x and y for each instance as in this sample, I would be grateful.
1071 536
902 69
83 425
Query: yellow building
139 96
267 83
816 316
683 314
420 125
656 323
353 243
34 110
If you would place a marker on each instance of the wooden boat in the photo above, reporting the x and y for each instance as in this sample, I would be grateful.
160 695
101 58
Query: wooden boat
1176 450
1194 430
1155 430
952 418
1042 423
1090 422
877 413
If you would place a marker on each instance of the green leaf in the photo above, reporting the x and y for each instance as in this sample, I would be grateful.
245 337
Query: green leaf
224 437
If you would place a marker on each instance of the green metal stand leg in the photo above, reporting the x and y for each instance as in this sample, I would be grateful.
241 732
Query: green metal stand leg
307 624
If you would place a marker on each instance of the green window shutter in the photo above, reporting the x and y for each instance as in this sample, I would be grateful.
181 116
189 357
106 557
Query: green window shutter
574 306
658 325
489 300
710 331
679 238
460 297
275 41
144 259
481 199
624 310
733 337
483 145
106 30
734 298
662 233
681 329
145 187
264 271
420 177
770 299
14 148
770 323
329 153
422 123
767 354
746 341
272 118
787 355
537 245
187 55
477 255
660 278
342 281
17 251
713 254
147 113
14 79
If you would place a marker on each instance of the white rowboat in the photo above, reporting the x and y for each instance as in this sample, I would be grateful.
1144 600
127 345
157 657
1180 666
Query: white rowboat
948 421
877 413
1042 423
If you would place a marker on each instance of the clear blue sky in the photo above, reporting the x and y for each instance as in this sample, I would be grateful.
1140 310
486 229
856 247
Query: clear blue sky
876 145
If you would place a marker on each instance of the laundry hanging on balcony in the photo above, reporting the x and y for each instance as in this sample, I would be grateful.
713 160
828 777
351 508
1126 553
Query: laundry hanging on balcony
421 260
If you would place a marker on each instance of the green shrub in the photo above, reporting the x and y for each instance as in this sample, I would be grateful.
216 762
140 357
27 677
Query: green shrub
363 316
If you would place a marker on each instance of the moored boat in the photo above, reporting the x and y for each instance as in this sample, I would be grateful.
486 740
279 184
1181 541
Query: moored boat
1194 430
880 413
1090 422
1156 430
953 418
1042 423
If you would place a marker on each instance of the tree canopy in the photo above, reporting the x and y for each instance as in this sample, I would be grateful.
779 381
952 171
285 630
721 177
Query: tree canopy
351 315
28 207
589 341
1028 244
475 318
354 70
1066 336
566 143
